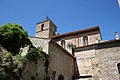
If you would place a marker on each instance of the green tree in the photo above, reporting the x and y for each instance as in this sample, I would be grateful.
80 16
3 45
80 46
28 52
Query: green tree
13 37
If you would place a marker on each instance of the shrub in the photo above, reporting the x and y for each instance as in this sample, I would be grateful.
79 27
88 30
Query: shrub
1 72
34 53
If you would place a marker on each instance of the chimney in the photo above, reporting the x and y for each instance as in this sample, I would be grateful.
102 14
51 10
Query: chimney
116 36
119 3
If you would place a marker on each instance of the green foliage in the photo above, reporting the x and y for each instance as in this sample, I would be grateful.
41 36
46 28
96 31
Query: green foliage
11 67
34 53
1 72
7 59
0 47
21 59
12 37
17 73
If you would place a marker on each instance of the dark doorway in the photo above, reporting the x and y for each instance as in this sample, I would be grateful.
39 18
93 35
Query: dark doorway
60 77
32 78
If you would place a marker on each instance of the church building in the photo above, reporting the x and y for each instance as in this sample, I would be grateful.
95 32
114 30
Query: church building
78 55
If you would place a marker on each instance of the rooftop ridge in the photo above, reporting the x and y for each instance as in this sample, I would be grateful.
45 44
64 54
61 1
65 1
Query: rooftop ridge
78 31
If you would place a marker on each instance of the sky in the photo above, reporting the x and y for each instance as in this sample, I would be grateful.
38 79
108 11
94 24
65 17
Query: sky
67 15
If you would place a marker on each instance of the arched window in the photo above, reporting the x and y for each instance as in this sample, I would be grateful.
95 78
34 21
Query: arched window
63 43
85 40
60 77
118 65
42 27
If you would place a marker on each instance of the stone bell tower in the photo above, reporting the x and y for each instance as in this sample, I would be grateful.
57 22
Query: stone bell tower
45 29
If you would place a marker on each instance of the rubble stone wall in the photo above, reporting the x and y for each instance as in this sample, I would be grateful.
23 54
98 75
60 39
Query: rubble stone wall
34 71
100 62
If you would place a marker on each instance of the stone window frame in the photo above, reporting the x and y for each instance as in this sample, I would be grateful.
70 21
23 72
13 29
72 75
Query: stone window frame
85 40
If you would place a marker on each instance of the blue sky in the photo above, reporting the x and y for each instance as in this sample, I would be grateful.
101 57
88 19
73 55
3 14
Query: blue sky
68 15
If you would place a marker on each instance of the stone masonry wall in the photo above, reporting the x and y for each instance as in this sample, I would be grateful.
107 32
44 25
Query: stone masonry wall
61 62
106 64
34 71
85 61
99 61
42 33
39 42
49 29
77 40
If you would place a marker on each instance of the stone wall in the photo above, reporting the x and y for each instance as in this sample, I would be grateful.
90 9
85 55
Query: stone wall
106 64
77 39
49 29
40 42
34 71
85 61
61 62
42 33
99 61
